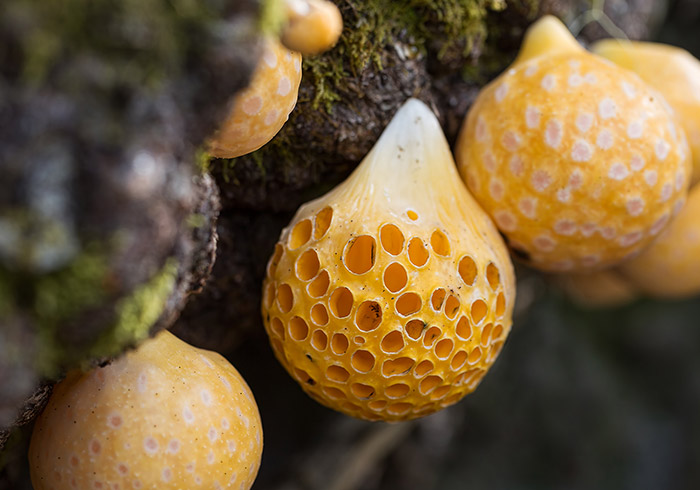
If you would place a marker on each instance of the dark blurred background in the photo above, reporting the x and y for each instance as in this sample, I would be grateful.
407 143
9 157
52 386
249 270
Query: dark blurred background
606 399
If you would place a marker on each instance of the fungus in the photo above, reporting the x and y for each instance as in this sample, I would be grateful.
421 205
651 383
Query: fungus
404 253
578 161
673 71
166 415
607 288
259 112
670 267
313 26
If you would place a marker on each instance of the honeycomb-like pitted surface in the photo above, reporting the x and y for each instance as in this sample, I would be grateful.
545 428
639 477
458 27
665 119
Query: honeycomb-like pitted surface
391 323
578 161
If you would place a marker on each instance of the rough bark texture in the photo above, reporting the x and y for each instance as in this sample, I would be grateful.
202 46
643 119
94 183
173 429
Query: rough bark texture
89 143
103 230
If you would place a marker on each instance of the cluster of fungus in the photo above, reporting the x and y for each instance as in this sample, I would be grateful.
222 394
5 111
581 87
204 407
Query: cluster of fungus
390 297
166 415
579 162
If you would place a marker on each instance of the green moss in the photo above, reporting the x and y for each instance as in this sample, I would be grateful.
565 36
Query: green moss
272 17
137 313
372 25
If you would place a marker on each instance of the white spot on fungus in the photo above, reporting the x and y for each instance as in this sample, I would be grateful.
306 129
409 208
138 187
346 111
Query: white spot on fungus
167 475
635 206
270 58
629 90
564 195
531 70
553 133
284 86
590 260
637 163
618 171
666 191
607 108
225 424
187 415
496 189
510 140
501 92
541 180
206 397
604 140
630 238
590 78
252 105
587 229
678 205
532 117
575 80
481 132
581 151
505 220
544 243
173 446
635 129
141 383
680 180
213 435
231 444
608 233
662 148
548 82
516 165
210 457
489 161
651 177
576 179
659 225
150 445
565 227
114 420
528 206
584 121
271 117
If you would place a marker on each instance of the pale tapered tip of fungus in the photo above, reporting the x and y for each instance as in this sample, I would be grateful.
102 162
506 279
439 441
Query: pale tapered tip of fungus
166 416
391 296
259 112
673 71
548 36
313 26
579 162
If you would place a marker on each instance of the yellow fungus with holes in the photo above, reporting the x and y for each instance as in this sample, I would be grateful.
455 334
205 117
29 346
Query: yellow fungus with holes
578 161
413 287
166 415
259 111
670 267
312 26
673 71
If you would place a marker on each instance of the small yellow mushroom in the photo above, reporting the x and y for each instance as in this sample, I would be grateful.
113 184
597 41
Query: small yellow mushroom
259 112
313 26
391 296
579 162
670 267
673 71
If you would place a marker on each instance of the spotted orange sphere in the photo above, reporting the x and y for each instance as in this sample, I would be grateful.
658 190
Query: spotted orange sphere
391 296
578 161
259 112
166 416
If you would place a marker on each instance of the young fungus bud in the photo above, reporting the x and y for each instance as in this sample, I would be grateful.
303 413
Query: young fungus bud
165 416
259 112
391 296
670 267
674 72
579 162
313 26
